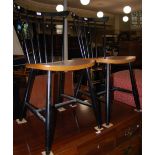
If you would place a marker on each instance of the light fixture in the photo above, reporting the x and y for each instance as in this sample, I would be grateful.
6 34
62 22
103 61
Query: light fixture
84 2
38 13
125 18
127 9
59 8
85 18
18 7
100 14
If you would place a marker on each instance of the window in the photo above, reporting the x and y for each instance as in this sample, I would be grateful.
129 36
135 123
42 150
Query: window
136 20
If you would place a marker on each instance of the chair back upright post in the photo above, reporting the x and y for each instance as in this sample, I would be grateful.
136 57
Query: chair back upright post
82 28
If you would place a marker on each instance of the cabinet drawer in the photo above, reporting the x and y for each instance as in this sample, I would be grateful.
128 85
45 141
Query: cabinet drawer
130 147
128 130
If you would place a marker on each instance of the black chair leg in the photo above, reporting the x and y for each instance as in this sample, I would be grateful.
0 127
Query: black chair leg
78 86
27 93
61 87
48 127
108 96
134 87
95 103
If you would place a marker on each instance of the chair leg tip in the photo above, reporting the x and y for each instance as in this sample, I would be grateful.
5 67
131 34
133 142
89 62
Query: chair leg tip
44 153
61 109
98 130
23 121
107 126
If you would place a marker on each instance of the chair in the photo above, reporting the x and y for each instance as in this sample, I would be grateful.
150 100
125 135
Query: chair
35 39
86 32
115 60
84 39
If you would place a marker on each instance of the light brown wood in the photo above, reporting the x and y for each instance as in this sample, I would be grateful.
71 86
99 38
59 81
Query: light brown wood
116 59
68 65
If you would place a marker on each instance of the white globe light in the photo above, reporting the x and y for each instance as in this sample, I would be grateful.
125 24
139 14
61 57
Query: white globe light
18 7
59 8
84 2
38 13
127 9
125 18
100 14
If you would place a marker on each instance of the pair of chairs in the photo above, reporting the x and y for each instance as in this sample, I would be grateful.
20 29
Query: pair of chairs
35 41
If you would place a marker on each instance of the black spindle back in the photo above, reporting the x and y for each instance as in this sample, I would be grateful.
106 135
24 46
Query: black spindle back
83 31
86 30
35 31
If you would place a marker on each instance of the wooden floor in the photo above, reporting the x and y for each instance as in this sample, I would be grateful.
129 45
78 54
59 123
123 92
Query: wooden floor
74 127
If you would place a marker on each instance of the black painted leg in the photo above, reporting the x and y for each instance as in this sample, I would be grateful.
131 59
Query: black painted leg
108 98
61 86
95 103
27 93
134 87
78 85
48 138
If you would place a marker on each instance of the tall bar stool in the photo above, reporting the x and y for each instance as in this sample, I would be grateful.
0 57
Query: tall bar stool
115 60
41 61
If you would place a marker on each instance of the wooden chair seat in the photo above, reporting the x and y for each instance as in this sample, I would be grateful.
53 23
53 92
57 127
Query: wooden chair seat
68 65
116 59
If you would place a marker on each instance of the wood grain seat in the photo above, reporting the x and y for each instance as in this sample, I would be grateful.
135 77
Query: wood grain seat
67 65
116 59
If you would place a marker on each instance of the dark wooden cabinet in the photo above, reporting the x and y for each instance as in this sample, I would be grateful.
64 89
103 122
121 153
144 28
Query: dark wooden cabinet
131 147
122 139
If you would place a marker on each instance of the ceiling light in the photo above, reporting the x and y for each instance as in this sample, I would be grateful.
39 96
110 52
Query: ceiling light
84 2
59 8
38 13
127 9
18 7
125 18
100 14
